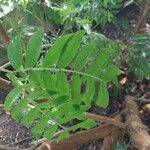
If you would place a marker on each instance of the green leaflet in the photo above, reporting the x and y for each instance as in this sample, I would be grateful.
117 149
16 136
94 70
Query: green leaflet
72 115
63 136
54 102
16 81
56 112
39 127
83 55
62 84
35 77
89 93
68 107
14 52
19 110
59 100
111 72
100 60
37 95
54 52
12 98
49 82
76 87
71 49
33 49
103 96
30 117
49 133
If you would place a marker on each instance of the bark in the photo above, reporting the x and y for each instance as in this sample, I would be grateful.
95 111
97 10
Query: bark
4 35
139 135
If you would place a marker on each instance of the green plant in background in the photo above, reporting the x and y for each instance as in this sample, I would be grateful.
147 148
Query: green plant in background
51 91
120 146
82 14
75 14
139 59
72 14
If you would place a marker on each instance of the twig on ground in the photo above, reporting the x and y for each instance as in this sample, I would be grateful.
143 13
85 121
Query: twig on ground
5 84
108 120
78 139
21 141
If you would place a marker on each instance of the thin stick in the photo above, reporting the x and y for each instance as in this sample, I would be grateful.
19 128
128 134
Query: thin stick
4 35
5 84
108 120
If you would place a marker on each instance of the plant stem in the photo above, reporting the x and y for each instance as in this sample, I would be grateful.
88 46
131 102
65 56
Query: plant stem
52 70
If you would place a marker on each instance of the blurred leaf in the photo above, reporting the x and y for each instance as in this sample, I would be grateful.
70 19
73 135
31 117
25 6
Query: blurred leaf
90 91
63 136
111 72
19 110
49 133
29 117
103 96
62 83
12 98
14 52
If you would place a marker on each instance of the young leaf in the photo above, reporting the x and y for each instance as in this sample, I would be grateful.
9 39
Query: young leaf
29 117
54 52
14 52
103 96
33 49
71 49
11 98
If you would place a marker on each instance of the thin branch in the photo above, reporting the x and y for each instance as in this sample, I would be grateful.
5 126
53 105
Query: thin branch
51 70
5 84
108 120
4 35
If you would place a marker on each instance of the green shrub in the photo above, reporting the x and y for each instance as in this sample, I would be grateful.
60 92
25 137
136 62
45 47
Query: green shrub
50 91
139 59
